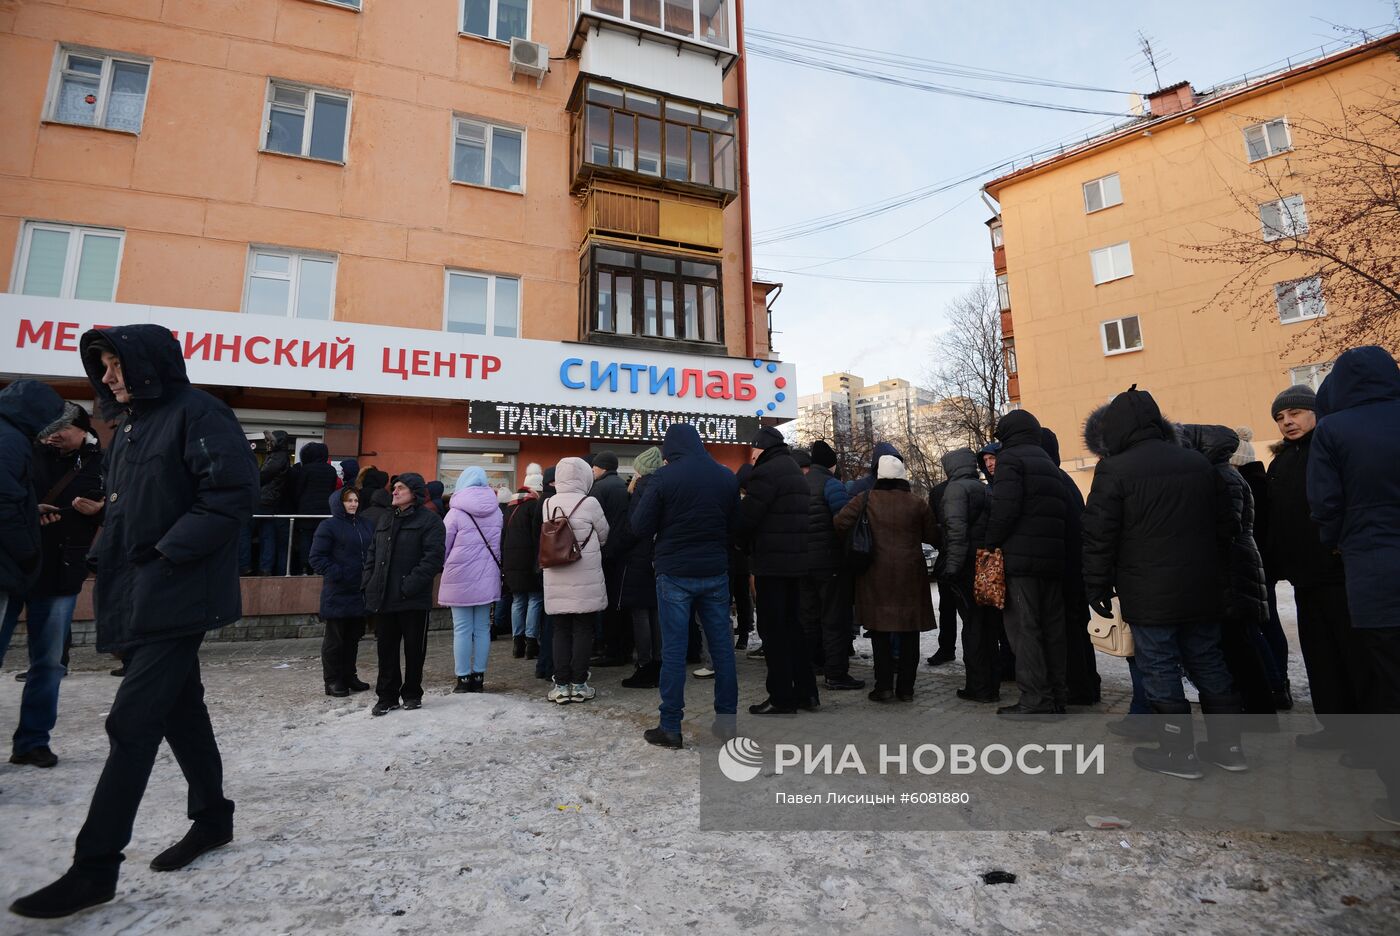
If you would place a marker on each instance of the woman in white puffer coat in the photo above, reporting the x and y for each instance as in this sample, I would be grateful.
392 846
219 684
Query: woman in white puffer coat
575 593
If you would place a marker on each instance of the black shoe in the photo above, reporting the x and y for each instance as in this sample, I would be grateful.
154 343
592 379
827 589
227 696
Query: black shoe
66 896
741 642
881 695
941 657
1283 698
22 676
1323 740
644 677
476 682
518 651
355 684
35 757
381 709
973 697
532 648
119 671
410 705
1134 728
756 653
904 696
845 682
812 705
766 707
663 738
337 689
463 685
1020 711
196 842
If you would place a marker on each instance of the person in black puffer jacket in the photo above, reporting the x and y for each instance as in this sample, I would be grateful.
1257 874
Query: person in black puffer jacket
404 558
1081 669
375 501
338 556
1027 524
1154 527
826 589
311 483
772 522
520 563
610 491
637 591
1256 476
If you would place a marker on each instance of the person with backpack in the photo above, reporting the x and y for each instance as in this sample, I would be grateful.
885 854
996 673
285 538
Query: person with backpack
520 563
471 576
338 556
572 534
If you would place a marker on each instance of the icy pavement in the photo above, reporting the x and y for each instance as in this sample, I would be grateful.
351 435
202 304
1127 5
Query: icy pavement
502 813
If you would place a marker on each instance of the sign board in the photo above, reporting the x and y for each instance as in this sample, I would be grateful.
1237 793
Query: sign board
613 425
39 338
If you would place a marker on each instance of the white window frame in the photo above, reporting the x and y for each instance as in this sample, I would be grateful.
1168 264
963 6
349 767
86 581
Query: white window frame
491 279
1293 285
104 86
353 5
462 22
1293 218
272 85
294 255
1263 127
998 237
1100 185
1122 344
1003 293
1116 274
490 126
1310 375
70 261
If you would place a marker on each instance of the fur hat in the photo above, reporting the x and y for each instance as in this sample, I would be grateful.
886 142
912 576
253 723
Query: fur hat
73 415
891 469
823 455
1298 396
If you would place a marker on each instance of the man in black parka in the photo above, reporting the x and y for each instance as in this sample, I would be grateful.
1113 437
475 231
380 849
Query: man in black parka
1081 670
1027 524
611 492
180 483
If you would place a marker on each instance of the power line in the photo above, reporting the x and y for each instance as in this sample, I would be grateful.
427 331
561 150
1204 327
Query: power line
878 280
981 262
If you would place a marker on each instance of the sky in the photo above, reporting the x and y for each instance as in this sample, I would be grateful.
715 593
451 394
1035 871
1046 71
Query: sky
823 143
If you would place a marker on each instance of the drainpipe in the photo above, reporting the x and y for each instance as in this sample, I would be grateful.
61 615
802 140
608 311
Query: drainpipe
745 220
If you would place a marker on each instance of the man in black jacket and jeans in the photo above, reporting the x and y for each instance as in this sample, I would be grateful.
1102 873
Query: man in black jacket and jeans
1027 523
772 521
180 482
404 558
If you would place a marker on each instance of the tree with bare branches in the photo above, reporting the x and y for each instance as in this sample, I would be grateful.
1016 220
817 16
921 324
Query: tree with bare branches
968 374
1323 231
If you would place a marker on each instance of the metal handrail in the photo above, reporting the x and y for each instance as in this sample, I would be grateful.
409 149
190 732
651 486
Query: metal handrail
291 531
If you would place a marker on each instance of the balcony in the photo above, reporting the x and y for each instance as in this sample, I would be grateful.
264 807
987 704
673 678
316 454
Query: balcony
999 258
1013 388
702 25
1006 330
648 217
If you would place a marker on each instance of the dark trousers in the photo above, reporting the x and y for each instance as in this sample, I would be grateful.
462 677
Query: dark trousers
948 618
339 648
616 630
161 697
1333 658
825 600
1035 622
981 635
1247 669
1272 633
1081 669
1381 646
390 629
573 646
743 598
778 601
891 671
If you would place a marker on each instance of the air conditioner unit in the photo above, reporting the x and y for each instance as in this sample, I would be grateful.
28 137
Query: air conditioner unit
529 58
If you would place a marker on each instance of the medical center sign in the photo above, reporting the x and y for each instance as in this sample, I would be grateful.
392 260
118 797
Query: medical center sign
40 339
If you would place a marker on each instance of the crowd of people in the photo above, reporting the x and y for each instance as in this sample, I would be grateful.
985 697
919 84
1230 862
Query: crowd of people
1183 525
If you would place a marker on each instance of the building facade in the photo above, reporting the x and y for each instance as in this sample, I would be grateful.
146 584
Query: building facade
432 234
1090 253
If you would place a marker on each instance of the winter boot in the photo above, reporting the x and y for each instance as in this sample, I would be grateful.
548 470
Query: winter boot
73 892
1223 725
561 693
476 682
1175 754
519 650
356 684
198 840
532 648
337 688
464 684
646 676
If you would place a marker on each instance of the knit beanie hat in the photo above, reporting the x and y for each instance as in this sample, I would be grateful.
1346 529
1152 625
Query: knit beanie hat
534 477
1245 453
648 461
375 480
1297 396
823 455
802 457
891 468
606 461
766 438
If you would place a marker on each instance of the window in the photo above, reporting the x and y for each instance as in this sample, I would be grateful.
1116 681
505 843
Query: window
1266 139
304 121
997 237
1111 263
1008 350
489 155
644 133
482 304
1310 375
1283 218
499 467
1003 293
99 89
706 20
68 262
290 283
652 295
501 20
1102 193
1122 335
1300 299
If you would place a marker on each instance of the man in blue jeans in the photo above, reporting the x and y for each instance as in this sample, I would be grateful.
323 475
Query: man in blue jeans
689 508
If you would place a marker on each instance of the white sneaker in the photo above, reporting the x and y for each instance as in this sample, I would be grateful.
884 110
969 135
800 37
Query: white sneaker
581 692
704 672
561 693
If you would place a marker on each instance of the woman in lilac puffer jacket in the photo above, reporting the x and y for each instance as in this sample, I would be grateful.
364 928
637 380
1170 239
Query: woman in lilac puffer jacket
471 577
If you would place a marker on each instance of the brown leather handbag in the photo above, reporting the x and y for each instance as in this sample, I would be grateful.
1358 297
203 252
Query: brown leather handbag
989 581
558 544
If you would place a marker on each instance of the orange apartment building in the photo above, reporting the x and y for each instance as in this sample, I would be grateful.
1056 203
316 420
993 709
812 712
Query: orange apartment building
432 234
1095 290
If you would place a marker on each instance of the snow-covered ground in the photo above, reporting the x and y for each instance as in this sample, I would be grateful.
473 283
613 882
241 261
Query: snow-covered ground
501 813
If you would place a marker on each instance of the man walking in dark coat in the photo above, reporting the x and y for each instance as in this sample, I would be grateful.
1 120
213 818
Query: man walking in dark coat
1027 524
181 480
1332 656
772 523
67 473
405 556
1153 529
826 591
1081 670
610 491
1354 490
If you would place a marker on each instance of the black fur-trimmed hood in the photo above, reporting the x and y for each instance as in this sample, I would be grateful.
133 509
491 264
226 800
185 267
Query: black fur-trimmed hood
1131 417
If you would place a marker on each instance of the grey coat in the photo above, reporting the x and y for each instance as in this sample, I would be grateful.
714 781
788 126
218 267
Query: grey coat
962 513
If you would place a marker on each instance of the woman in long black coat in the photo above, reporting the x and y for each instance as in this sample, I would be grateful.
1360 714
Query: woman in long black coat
637 594
338 556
